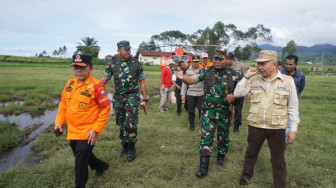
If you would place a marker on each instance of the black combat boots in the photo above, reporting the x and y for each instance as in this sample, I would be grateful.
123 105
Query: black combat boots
192 127
124 151
131 152
220 160
204 166
236 128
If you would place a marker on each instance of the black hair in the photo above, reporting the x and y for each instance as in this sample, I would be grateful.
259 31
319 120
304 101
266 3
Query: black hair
180 63
296 58
231 56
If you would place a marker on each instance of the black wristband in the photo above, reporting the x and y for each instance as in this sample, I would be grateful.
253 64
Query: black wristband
146 100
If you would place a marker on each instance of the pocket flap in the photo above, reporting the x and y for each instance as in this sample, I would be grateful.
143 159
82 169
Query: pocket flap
84 99
254 110
281 92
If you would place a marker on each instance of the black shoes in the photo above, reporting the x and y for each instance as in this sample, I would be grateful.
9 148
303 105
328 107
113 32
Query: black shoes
220 160
204 166
236 129
244 180
131 152
124 151
101 171
192 128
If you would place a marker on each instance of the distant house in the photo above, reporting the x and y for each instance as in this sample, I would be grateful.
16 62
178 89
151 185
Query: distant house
151 57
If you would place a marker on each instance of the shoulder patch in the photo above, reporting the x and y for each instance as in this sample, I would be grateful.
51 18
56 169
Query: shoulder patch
101 95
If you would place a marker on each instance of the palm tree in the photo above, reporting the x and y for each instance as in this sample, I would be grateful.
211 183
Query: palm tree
88 46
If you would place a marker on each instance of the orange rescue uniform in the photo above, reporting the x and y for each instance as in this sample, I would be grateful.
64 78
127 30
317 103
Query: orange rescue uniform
207 64
79 107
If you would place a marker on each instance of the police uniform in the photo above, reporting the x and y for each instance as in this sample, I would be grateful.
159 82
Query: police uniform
84 107
126 97
194 94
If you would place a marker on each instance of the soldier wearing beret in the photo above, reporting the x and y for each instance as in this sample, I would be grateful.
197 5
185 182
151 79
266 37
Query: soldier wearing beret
128 74
219 84
86 108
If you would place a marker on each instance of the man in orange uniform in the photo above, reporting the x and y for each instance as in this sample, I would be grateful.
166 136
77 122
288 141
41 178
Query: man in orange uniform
85 107
205 61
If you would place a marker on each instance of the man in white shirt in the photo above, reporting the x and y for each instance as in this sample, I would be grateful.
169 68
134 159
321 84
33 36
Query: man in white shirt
273 100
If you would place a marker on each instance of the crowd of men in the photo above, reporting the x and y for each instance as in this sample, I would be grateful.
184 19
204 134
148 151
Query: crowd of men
217 88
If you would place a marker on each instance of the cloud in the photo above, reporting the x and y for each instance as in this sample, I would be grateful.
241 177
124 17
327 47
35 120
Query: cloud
47 25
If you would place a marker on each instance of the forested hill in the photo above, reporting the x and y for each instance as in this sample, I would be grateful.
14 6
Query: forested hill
308 53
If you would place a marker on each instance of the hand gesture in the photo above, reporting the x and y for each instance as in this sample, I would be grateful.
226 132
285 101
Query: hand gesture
251 72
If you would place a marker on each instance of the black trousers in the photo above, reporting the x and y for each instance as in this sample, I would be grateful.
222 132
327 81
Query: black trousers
84 157
178 100
276 144
238 111
194 101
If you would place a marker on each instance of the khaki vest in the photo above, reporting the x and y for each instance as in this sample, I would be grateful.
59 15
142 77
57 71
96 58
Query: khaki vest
269 112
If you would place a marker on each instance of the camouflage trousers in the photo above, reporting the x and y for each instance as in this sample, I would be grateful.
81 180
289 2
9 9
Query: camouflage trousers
126 110
212 119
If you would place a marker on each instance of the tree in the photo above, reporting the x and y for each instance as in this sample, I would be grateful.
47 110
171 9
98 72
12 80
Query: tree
220 34
65 50
60 51
55 53
88 46
169 38
289 49
228 35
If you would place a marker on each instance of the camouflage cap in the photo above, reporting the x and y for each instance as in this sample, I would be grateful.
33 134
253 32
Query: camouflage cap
81 60
221 52
124 44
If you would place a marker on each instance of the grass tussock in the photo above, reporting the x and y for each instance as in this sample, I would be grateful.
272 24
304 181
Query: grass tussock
10 135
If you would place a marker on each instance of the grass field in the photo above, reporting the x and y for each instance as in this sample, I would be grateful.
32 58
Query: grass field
167 153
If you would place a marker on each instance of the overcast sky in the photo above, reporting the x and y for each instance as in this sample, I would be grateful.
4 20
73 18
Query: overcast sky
31 26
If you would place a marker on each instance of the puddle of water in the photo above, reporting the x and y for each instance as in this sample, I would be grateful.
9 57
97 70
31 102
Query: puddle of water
4 104
19 155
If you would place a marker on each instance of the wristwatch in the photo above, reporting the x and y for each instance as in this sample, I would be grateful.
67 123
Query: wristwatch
146 100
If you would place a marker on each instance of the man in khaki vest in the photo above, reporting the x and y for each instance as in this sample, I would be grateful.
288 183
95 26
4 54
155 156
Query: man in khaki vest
273 99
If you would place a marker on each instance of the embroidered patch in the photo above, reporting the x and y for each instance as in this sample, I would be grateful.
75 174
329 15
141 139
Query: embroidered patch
103 93
261 54
281 88
82 105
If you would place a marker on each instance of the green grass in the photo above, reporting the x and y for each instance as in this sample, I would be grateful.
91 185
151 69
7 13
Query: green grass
10 135
310 160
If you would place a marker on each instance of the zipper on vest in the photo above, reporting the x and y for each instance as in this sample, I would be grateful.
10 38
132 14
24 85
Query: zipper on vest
264 116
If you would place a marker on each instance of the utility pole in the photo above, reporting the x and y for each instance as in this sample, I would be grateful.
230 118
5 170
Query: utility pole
322 56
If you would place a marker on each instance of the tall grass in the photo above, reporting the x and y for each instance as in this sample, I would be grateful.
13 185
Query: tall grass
10 135
167 152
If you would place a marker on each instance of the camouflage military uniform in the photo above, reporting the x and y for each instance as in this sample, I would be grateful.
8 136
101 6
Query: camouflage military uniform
126 98
215 109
